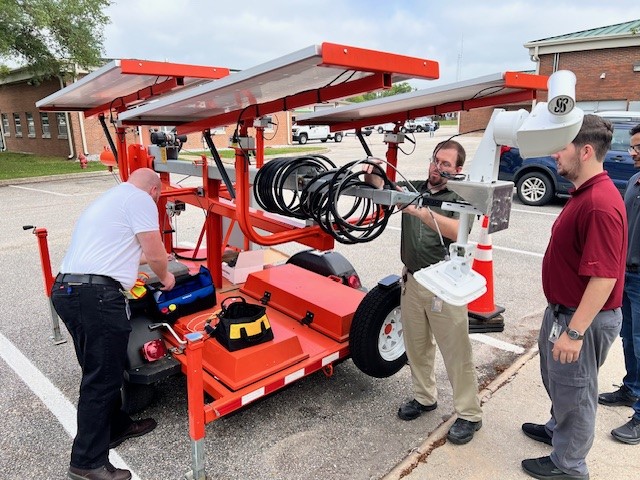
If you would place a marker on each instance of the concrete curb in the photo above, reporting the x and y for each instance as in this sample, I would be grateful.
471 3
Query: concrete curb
437 437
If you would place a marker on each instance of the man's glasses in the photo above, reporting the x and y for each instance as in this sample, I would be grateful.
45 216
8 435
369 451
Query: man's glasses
441 163
634 148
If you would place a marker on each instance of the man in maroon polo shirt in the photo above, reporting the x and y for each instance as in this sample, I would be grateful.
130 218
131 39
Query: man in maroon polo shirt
582 278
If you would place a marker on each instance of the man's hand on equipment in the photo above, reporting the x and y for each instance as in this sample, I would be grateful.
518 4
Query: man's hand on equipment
168 282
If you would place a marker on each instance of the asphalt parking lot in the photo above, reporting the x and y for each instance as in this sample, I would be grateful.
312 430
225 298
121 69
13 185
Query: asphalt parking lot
342 427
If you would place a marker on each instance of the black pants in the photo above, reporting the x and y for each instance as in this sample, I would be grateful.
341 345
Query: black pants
97 320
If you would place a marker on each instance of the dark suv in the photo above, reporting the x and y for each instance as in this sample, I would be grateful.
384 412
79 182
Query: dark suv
537 180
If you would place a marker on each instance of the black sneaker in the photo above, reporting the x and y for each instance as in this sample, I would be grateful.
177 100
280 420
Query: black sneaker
537 432
462 431
544 468
629 432
621 397
413 409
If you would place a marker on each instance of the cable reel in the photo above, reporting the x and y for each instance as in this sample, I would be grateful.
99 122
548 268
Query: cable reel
304 187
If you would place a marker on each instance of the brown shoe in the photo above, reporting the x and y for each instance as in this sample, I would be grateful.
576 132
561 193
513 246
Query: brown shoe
106 472
136 429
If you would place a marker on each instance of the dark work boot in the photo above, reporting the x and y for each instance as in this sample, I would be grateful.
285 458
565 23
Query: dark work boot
413 409
462 431
106 472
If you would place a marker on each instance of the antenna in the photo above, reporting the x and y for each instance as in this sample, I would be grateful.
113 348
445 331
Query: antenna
459 66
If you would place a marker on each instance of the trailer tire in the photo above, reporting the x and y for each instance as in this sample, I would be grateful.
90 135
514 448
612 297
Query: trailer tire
338 137
136 396
375 338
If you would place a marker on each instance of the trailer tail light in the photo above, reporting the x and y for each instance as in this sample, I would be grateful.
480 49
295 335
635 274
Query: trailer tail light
154 350
354 281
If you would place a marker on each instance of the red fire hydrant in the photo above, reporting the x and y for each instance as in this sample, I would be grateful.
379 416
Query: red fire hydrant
83 160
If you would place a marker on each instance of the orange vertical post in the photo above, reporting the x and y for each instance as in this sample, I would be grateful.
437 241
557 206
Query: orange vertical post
259 147
45 264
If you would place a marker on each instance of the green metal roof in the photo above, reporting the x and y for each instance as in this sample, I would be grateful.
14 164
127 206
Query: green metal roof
617 30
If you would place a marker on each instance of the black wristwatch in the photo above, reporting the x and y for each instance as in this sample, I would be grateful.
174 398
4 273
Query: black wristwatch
574 334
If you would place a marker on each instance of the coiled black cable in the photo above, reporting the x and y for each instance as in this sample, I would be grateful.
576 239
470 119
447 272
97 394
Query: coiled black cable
325 197
269 186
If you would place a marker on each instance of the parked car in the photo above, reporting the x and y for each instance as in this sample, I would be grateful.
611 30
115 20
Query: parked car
422 124
537 180
303 133
385 127
366 131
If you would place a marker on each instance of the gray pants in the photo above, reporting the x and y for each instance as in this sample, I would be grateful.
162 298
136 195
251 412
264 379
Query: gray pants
573 388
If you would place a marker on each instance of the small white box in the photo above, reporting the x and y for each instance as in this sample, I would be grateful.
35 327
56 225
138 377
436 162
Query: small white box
247 262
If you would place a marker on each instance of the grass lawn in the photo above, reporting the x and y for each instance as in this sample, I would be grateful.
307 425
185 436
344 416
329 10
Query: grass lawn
24 165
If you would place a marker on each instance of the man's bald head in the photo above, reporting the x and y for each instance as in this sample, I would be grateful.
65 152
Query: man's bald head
147 180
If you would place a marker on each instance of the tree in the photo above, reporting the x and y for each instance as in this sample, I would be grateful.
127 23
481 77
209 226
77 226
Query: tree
403 87
47 35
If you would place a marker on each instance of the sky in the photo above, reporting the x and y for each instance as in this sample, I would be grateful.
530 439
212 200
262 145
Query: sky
469 38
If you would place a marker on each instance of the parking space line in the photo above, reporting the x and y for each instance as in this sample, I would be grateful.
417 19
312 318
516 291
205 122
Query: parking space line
520 252
46 391
494 342
534 212
42 191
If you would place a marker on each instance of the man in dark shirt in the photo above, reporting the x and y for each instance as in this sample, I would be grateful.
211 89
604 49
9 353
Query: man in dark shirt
426 318
582 278
629 393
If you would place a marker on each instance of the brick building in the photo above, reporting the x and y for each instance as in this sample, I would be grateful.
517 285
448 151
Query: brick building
25 129
606 61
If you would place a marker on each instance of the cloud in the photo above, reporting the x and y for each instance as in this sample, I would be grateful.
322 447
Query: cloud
468 38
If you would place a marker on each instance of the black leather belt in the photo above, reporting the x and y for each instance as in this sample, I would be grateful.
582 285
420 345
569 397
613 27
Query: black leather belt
633 268
557 308
87 279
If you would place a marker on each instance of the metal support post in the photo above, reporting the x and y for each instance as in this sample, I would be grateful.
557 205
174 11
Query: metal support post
195 402
57 337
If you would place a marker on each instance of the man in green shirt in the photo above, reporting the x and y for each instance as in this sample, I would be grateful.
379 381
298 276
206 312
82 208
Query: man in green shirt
426 318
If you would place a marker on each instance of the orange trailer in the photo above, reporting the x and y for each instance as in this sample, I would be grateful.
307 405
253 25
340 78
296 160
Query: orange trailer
311 314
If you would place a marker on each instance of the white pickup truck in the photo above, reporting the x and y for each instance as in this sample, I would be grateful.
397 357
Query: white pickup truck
423 124
303 133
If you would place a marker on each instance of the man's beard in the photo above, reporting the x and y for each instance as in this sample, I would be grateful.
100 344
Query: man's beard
436 179
571 171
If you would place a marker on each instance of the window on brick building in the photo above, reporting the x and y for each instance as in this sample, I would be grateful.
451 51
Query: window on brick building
5 125
17 124
61 120
46 128
31 125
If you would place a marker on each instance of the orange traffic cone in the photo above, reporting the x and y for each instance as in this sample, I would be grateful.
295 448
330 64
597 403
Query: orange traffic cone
484 315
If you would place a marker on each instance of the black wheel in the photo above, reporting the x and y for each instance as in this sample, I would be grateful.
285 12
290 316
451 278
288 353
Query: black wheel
375 339
418 129
403 129
136 396
338 137
323 140
380 130
535 189
303 139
